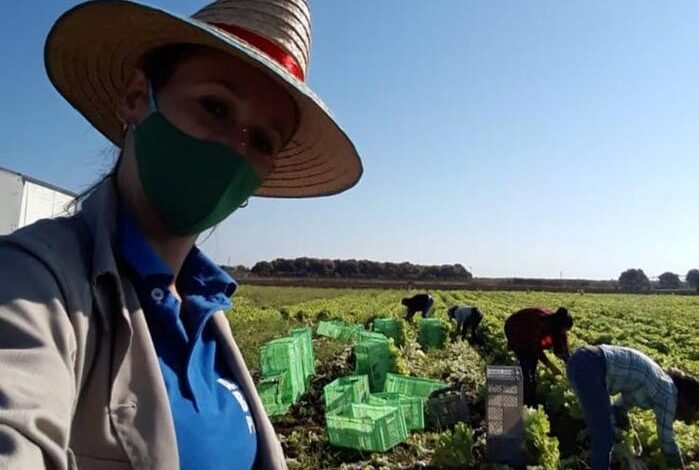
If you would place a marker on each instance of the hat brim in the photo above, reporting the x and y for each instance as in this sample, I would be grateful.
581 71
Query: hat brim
93 48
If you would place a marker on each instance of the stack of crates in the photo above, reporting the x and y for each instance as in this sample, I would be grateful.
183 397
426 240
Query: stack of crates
389 328
378 421
431 333
413 407
284 364
353 423
345 390
372 359
505 425
413 386
373 428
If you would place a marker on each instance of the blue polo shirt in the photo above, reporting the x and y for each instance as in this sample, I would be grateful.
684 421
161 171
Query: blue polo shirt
213 424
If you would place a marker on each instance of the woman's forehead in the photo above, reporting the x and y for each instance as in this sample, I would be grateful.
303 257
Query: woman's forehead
225 69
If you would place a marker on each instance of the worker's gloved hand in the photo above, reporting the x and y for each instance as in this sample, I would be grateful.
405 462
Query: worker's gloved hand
621 418
674 460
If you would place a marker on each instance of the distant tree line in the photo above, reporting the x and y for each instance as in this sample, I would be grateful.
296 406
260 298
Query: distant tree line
358 269
635 280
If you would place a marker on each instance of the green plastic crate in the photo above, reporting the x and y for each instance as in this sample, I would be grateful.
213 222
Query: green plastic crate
331 328
308 360
352 332
372 359
269 388
389 328
339 330
345 390
366 427
431 333
415 386
413 407
371 336
271 392
285 355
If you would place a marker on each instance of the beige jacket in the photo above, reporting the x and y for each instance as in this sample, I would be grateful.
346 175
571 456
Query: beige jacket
80 384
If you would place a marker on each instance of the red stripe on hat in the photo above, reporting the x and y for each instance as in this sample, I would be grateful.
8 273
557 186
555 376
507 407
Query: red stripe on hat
279 55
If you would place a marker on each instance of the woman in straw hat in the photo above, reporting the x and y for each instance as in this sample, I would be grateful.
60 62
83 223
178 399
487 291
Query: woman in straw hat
114 349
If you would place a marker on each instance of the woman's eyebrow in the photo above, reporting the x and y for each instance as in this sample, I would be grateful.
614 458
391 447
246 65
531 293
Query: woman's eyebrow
229 87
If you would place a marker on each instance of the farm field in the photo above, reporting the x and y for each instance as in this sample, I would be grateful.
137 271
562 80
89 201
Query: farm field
662 326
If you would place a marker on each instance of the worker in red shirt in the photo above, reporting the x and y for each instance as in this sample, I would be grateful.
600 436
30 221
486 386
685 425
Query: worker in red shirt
531 331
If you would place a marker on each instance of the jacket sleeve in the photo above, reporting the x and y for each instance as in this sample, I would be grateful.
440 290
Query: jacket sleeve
37 350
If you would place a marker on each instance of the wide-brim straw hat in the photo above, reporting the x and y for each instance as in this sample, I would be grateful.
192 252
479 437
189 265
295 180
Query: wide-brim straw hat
93 48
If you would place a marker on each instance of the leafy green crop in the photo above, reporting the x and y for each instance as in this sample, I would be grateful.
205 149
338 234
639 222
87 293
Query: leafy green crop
454 448
541 448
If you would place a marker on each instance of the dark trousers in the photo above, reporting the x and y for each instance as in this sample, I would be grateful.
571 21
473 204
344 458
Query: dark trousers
586 371
528 363
472 324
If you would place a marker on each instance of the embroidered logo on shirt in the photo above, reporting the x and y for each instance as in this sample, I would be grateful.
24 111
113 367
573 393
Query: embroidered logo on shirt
233 388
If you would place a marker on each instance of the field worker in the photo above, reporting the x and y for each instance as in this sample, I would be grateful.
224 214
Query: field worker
466 317
114 348
596 372
529 333
418 303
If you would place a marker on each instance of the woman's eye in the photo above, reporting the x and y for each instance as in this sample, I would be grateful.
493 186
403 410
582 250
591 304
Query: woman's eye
216 108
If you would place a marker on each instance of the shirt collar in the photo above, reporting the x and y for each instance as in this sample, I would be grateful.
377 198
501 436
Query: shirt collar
199 275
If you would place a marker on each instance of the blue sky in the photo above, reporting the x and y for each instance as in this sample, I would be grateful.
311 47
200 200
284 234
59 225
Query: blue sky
517 137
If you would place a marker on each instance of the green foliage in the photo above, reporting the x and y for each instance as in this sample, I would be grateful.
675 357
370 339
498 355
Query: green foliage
634 280
558 396
454 448
669 280
541 448
397 363
693 278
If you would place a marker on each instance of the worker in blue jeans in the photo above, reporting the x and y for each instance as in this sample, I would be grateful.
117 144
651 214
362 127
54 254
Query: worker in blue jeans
596 372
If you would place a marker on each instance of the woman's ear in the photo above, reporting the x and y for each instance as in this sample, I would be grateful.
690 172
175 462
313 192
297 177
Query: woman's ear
133 107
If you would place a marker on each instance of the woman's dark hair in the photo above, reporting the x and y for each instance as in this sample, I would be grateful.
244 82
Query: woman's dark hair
687 386
562 319
159 65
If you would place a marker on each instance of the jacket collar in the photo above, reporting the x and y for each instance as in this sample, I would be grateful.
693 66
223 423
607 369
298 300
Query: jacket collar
100 210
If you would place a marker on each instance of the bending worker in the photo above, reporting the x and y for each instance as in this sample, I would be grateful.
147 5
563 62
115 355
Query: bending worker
596 372
418 303
466 317
529 333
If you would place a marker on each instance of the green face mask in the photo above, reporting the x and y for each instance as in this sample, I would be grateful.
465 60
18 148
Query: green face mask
193 184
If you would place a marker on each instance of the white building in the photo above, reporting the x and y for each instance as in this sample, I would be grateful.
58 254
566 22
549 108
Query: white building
24 200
